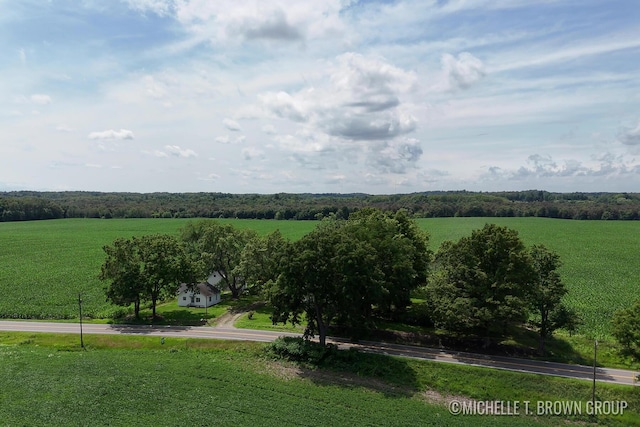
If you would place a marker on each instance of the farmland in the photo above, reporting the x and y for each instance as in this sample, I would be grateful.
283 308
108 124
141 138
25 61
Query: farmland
45 264
209 382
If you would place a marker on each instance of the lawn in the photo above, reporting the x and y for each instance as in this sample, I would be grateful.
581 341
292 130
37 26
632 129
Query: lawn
123 380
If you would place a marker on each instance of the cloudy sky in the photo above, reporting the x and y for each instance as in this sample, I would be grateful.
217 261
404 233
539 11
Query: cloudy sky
319 96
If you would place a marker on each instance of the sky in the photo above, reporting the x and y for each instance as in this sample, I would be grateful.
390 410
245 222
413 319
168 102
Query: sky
332 96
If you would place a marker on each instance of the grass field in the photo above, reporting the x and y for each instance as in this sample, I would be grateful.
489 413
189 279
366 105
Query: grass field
45 264
122 380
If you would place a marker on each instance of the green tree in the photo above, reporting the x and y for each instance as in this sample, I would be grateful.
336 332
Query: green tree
546 295
480 283
165 265
147 268
401 251
345 272
625 326
122 267
219 248
328 277
261 260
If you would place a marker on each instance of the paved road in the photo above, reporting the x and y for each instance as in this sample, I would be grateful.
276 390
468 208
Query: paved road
618 376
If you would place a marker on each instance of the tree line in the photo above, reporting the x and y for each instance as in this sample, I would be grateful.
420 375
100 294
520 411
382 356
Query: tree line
27 205
348 274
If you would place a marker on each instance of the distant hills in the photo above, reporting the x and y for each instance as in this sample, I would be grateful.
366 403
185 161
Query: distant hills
31 205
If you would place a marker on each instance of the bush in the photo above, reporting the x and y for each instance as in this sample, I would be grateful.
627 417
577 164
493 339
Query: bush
418 315
298 349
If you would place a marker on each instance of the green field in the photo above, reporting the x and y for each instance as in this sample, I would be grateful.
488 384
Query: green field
128 381
45 264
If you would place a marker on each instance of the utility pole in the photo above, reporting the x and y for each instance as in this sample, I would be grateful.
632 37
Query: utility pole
80 307
595 353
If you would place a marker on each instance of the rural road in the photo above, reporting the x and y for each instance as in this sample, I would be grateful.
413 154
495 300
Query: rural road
618 376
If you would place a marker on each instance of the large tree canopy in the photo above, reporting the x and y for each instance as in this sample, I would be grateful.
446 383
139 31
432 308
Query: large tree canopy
626 328
401 251
343 271
480 284
261 260
122 268
147 268
545 296
219 248
328 276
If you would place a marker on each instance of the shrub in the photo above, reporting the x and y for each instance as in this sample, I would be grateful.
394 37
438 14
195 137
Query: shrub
298 349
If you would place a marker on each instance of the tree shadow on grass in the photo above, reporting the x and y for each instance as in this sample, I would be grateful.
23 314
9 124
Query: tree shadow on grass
178 317
393 377
143 329
520 342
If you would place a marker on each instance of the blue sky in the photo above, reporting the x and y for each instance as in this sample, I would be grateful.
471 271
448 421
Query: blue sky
306 96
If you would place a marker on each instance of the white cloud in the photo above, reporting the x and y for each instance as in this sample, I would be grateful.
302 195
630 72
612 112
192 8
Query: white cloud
577 51
274 25
226 139
630 136
358 100
40 99
210 177
159 7
245 20
250 153
545 167
269 129
23 56
177 151
396 156
112 134
462 72
232 125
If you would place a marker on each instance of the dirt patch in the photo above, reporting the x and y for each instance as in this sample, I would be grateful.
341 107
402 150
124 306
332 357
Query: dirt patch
227 320
436 398
281 370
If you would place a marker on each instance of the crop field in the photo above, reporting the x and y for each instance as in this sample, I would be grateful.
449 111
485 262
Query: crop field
600 259
130 381
45 264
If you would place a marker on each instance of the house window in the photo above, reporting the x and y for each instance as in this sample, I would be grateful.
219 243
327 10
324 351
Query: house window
209 298
184 298
197 299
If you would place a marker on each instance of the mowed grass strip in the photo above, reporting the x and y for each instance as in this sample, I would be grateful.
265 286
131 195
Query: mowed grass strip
48 380
45 264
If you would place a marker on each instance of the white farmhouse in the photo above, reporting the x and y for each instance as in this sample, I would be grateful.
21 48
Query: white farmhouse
203 295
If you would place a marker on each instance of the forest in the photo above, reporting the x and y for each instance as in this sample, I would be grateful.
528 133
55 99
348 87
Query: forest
31 205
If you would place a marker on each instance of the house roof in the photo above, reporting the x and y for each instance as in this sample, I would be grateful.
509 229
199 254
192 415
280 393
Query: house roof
204 288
